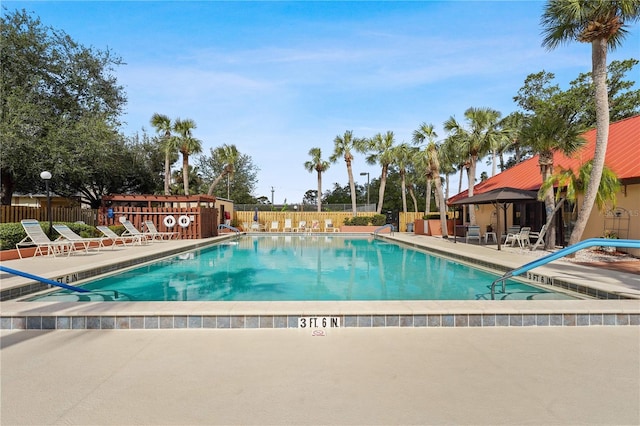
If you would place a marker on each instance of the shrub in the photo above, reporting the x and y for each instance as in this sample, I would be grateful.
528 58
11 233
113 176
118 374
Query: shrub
10 235
378 220
375 220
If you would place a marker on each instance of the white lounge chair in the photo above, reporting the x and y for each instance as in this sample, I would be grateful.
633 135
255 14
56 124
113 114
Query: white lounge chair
522 237
538 236
275 226
152 230
37 237
287 226
257 227
302 226
512 231
67 234
131 230
115 238
473 233
328 226
315 226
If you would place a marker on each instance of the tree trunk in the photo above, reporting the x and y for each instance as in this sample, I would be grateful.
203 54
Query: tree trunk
404 192
319 197
471 175
427 207
383 186
443 207
352 186
167 174
599 75
493 162
549 207
412 193
7 188
446 181
212 187
185 173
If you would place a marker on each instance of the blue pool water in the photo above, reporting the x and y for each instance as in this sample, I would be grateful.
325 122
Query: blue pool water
297 268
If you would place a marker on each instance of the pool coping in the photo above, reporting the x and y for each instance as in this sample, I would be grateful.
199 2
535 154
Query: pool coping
17 315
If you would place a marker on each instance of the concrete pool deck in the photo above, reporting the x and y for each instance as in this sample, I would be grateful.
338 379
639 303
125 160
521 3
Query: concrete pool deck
355 376
352 375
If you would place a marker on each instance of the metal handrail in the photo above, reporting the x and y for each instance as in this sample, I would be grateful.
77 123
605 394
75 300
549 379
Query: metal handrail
388 225
50 282
591 242
225 226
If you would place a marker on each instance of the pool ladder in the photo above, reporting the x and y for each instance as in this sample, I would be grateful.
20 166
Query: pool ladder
591 242
225 226
388 225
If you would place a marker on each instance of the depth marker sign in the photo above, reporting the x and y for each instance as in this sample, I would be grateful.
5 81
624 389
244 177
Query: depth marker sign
319 322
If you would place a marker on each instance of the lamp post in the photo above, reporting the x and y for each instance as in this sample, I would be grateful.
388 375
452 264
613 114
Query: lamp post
367 174
46 176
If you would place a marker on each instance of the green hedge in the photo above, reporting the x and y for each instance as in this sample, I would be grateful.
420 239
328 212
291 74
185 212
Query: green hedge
13 233
375 220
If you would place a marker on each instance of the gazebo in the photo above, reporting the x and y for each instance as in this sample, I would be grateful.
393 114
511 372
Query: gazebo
193 216
500 198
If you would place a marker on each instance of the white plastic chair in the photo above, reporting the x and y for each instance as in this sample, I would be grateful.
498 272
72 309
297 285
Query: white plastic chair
473 233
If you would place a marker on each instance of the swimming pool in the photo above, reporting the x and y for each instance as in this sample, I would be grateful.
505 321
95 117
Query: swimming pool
303 268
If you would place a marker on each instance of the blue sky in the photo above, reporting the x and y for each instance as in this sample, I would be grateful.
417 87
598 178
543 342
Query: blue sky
279 78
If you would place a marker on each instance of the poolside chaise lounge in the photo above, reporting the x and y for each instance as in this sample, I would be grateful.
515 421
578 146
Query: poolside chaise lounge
538 236
302 226
328 226
115 238
275 226
287 226
153 231
315 226
67 234
131 230
37 237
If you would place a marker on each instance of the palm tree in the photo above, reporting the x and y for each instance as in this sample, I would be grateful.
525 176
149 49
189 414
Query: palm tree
162 124
576 184
601 23
187 145
450 161
382 146
546 134
343 147
229 155
402 157
320 166
424 133
433 161
476 141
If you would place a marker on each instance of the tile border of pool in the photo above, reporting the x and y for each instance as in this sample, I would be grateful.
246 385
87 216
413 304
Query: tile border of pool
155 322
18 315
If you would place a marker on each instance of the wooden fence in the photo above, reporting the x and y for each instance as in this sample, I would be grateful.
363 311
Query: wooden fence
201 223
265 218
206 226
10 214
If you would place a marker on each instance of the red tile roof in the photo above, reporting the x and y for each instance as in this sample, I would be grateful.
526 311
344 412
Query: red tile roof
623 157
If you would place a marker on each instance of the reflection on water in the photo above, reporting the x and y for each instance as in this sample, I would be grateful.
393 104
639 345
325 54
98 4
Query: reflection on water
308 267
